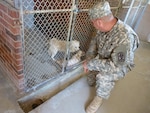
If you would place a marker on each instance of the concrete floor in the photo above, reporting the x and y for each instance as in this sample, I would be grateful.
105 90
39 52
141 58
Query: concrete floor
8 96
130 95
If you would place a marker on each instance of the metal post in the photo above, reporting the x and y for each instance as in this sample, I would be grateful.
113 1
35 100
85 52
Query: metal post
120 3
135 28
22 36
125 20
135 14
68 38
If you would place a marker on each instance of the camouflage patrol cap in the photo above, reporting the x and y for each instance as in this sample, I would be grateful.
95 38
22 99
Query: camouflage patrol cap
99 10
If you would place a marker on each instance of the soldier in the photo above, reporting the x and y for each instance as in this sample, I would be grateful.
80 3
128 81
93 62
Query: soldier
111 52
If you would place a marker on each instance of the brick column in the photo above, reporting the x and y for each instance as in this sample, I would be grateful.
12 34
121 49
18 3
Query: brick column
11 44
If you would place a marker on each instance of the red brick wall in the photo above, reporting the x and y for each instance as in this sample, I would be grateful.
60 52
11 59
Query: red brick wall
11 44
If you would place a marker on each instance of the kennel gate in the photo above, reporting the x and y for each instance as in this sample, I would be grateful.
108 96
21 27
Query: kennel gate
43 20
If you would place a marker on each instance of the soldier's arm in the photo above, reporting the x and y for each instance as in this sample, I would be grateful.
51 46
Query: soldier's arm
121 59
92 50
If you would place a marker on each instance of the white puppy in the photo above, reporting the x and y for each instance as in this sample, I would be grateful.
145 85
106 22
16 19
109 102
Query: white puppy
59 45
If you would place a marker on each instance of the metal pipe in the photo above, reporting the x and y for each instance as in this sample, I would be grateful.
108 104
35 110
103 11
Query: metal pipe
135 14
128 7
135 28
125 20
73 25
117 7
22 38
53 11
45 11
68 36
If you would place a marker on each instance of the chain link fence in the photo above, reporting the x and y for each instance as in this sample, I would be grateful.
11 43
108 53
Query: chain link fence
44 20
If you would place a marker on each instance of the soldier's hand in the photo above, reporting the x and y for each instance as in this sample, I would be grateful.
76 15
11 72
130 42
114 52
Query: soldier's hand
85 67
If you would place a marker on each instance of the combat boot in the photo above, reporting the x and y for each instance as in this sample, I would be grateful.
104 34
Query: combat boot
94 105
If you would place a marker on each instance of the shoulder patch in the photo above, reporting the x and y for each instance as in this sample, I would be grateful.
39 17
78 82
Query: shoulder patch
119 55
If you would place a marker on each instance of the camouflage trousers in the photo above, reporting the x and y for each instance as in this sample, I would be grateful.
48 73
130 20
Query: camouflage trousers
104 83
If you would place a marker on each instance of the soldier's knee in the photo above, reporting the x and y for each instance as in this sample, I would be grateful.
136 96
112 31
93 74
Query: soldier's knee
91 79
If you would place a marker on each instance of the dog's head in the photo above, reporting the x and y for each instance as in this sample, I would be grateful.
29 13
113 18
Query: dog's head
74 46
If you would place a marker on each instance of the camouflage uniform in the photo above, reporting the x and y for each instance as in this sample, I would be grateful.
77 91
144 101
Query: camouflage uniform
112 55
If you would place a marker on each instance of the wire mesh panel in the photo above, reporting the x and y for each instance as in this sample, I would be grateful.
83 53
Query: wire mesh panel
43 20
53 34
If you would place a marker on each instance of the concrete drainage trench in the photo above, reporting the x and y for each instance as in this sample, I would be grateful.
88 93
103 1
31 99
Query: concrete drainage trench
49 89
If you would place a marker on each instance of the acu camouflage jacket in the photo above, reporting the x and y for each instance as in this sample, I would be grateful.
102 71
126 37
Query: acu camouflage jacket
113 51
